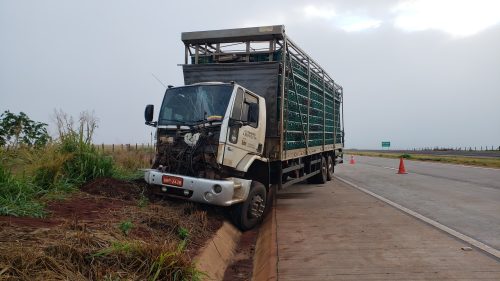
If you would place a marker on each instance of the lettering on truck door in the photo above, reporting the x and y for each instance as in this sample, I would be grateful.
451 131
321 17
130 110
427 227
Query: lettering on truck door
242 140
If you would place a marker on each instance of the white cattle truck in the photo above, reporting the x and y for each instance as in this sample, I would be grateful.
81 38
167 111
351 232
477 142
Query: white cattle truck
256 114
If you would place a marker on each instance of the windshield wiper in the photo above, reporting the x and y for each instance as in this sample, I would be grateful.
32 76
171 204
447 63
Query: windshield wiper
173 120
201 121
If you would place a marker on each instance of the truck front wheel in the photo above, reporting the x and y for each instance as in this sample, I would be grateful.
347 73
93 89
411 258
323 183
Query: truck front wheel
248 214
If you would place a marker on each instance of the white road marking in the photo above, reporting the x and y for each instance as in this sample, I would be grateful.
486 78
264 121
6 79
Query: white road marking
492 251
390 168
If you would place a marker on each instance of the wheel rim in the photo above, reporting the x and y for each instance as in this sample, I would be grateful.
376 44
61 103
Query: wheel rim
257 206
324 169
330 167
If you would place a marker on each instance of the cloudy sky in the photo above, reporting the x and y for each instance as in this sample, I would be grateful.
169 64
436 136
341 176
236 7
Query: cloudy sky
419 73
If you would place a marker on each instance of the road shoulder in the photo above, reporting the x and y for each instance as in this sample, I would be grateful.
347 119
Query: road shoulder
335 232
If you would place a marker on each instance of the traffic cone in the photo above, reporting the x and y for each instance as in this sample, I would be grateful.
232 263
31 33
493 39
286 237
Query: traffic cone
352 160
402 169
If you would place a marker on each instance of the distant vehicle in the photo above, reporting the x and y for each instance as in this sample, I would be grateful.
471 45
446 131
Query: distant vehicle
256 114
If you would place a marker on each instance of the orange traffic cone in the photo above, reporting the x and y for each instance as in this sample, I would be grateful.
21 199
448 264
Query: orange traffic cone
402 169
352 160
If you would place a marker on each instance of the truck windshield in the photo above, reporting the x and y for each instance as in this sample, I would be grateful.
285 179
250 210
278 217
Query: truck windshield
193 104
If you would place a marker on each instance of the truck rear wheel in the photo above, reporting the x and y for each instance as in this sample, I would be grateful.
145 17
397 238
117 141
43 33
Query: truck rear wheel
321 177
248 214
329 171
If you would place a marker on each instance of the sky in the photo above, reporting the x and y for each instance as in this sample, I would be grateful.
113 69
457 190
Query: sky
419 73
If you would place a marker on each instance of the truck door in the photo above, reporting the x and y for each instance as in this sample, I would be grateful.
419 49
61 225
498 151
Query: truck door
244 130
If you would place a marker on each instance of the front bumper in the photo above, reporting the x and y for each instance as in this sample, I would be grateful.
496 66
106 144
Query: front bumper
231 190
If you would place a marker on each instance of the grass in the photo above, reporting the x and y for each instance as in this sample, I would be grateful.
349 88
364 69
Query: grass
143 201
131 160
154 242
183 233
471 161
125 227
30 177
80 255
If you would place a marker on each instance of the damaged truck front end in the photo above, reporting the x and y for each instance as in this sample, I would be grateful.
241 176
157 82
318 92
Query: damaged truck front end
207 136
216 192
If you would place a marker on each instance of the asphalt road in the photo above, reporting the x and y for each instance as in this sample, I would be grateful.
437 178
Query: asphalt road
465 199
463 153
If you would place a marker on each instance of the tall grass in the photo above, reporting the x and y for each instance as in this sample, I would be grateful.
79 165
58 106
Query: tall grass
39 174
16 197
127 163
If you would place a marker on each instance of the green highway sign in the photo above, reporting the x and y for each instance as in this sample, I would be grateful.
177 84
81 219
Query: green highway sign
386 144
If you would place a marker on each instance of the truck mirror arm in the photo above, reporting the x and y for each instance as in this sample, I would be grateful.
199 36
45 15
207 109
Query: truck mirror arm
238 123
152 124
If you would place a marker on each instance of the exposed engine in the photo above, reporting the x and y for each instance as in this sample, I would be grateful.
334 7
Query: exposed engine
190 152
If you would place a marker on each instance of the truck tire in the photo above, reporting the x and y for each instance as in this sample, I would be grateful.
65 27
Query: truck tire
322 176
330 167
248 214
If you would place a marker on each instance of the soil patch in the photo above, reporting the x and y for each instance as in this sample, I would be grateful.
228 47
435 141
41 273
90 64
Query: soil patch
79 207
84 207
113 188
6 221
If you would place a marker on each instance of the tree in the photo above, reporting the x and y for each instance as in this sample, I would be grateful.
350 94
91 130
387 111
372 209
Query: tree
87 123
19 129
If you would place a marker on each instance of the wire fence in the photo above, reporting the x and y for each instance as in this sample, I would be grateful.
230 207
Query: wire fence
458 148
124 147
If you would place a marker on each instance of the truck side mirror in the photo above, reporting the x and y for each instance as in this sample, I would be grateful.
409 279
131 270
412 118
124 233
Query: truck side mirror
253 114
148 113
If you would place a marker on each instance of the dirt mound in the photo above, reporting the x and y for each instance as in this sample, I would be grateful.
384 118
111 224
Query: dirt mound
79 207
27 222
83 207
113 188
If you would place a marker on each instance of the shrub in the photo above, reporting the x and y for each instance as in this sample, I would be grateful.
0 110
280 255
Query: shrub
51 170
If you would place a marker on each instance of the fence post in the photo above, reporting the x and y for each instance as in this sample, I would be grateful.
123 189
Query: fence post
113 148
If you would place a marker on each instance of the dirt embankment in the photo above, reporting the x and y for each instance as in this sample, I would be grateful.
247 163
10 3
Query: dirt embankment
110 229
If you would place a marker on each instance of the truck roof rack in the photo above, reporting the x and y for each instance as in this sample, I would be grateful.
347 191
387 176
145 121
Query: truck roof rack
262 33
296 88
251 44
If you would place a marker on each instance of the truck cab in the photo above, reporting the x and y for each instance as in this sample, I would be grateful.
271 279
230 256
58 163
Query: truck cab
208 134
